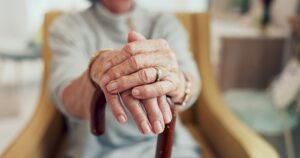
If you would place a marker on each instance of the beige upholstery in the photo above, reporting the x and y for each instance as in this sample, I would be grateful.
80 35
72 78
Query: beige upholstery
219 132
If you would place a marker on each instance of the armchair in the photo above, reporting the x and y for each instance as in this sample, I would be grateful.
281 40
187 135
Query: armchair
210 121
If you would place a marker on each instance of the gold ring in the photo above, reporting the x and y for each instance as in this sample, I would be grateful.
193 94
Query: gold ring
159 73
121 100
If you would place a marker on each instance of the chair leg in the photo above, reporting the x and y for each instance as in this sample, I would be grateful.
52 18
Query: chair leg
288 137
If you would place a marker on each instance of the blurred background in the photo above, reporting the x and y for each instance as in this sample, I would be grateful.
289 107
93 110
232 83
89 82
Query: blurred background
255 54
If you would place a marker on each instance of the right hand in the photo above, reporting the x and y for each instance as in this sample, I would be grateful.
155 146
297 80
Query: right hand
157 110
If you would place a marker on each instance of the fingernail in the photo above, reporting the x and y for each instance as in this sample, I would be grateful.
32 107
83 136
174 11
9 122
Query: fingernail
112 86
106 66
145 127
135 92
168 118
158 128
105 79
121 119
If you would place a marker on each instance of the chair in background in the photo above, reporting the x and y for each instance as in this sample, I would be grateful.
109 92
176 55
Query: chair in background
248 66
250 62
211 123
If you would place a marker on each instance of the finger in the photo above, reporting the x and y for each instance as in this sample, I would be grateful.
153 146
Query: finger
115 104
154 115
116 107
112 100
137 112
138 62
153 90
147 46
144 76
165 108
136 47
97 69
134 36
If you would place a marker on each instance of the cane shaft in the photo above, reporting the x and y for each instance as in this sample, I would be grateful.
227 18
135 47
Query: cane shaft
98 113
165 139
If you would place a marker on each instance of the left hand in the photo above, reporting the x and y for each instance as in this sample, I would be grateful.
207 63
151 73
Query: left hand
133 68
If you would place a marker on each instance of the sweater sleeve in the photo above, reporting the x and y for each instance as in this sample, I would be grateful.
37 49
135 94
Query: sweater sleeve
69 59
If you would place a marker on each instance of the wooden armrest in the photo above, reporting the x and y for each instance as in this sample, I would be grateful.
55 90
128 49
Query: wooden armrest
225 133
45 130
40 136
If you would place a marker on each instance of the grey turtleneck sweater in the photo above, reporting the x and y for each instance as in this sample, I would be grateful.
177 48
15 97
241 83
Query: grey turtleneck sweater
73 39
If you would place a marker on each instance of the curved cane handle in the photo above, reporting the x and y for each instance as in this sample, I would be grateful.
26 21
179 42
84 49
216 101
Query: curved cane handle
98 113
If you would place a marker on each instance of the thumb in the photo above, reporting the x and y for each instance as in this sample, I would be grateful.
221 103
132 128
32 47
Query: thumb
134 36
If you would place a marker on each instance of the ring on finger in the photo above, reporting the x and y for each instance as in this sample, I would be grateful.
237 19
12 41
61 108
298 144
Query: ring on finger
159 73
121 100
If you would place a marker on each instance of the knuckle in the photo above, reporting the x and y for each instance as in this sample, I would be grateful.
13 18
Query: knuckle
122 81
101 57
134 62
95 76
163 42
129 49
114 73
95 72
160 89
139 116
145 76
173 84
126 97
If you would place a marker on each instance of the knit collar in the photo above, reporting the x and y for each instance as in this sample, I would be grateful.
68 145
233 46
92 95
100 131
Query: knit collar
112 19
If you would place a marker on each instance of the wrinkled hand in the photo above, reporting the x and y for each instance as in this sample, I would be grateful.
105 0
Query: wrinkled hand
157 108
133 68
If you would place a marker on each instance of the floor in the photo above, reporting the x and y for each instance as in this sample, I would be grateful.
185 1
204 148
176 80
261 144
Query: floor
19 93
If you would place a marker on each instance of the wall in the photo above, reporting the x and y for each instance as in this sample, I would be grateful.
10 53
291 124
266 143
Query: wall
24 17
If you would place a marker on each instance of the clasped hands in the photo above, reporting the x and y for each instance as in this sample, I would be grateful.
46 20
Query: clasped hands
131 72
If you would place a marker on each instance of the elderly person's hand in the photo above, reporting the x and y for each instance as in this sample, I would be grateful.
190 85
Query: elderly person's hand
157 110
133 73
136 67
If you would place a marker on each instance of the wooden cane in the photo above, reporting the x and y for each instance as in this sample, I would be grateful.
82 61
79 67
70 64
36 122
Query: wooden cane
165 140
98 105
